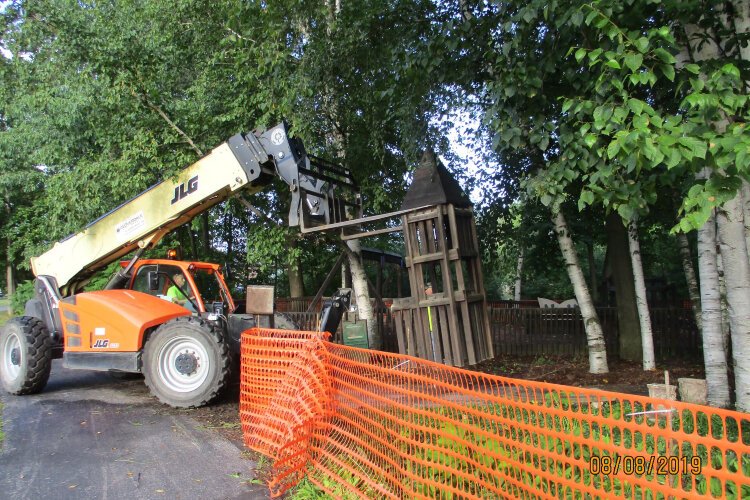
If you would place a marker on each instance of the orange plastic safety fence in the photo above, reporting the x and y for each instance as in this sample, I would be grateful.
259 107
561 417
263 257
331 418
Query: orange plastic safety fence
365 424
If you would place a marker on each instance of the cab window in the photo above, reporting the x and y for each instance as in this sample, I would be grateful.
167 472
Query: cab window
140 283
208 285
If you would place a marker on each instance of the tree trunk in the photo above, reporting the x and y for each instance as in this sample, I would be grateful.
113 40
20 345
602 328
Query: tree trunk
206 239
701 48
296 284
361 292
714 355
592 272
737 276
193 244
741 22
692 282
228 233
10 275
10 271
622 275
644 317
726 329
746 212
519 270
594 333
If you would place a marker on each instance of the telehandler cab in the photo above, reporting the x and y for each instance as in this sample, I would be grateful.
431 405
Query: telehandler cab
172 320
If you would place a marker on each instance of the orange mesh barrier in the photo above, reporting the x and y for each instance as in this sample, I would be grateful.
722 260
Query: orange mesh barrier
366 424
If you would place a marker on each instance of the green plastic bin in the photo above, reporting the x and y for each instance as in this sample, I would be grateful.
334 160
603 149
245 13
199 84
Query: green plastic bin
355 335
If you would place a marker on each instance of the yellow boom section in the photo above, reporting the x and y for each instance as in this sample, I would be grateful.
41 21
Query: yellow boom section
148 217
245 161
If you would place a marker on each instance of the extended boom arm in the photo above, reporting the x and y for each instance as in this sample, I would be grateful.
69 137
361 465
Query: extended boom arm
245 162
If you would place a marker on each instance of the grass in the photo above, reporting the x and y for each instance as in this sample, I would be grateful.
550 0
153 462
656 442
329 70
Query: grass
458 452
5 315
306 490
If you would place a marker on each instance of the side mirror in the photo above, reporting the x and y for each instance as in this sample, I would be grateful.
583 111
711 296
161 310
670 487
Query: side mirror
153 281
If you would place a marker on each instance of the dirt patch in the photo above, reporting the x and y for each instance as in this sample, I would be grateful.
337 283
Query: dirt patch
623 376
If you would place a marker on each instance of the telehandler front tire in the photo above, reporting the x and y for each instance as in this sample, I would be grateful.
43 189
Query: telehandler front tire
25 355
186 362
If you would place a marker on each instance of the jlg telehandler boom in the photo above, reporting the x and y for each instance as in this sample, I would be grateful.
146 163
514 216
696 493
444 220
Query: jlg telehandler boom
171 320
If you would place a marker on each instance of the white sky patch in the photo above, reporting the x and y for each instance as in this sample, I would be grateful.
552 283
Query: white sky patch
462 132
3 51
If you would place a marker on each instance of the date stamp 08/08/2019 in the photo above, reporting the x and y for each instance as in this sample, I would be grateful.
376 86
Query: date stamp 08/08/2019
640 465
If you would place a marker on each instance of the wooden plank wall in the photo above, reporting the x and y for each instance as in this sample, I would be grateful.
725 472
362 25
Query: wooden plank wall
448 321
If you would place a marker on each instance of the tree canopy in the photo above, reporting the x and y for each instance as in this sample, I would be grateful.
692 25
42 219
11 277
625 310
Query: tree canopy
633 108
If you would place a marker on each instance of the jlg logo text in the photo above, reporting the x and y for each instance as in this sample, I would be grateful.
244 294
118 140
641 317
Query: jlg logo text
185 189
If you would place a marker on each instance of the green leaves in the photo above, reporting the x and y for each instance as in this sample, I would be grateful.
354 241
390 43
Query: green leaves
642 44
586 198
633 61
635 105
696 148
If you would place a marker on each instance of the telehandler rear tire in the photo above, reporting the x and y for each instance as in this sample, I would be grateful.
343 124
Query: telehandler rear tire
186 362
25 355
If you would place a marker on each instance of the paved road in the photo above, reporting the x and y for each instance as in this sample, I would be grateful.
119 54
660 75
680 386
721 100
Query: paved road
90 436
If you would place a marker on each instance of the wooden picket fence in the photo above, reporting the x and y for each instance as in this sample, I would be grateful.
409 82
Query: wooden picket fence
529 331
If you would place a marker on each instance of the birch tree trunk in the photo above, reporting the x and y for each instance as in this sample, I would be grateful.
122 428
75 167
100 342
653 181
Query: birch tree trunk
692 282
293 272
594 333
644 317
361 292
737 276
746 212
519 270
726 329
714 356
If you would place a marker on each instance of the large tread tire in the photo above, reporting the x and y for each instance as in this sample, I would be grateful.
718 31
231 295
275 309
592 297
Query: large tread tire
25 355
186 362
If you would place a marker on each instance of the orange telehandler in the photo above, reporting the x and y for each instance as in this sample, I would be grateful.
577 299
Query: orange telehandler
174 321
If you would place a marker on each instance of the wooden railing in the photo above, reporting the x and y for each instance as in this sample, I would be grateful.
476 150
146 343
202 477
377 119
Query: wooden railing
528 331
534 331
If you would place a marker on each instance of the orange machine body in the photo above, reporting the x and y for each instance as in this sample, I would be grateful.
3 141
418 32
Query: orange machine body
113 320
117 320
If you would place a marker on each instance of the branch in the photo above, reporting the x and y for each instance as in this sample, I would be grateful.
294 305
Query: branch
257 212
238 35
168 120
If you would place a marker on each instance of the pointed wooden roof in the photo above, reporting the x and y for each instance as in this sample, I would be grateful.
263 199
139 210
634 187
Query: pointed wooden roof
434 185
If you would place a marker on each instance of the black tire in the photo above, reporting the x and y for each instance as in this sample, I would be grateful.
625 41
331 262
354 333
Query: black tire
186 362
25 355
